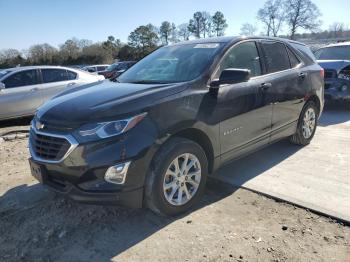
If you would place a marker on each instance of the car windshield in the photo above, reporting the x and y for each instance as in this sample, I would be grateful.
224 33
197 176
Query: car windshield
112 67
172 64
3 73
333 53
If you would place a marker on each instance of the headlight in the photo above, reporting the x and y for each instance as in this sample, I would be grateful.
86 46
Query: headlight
90 132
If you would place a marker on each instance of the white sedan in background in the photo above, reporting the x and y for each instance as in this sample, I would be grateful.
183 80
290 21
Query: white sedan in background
24 89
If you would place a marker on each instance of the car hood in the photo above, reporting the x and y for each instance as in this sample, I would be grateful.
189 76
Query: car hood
333 64
102 101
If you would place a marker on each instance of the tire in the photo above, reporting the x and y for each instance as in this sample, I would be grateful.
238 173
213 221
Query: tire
163 173
301 137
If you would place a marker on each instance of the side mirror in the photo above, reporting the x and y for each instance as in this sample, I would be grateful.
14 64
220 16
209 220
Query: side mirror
232 76
2 86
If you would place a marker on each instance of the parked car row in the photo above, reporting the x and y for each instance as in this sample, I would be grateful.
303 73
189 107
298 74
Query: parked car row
24 89
116 69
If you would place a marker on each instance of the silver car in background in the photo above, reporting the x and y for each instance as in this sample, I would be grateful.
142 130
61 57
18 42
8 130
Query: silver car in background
24 89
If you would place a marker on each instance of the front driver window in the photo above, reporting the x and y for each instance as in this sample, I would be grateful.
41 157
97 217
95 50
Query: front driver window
242 56
23 78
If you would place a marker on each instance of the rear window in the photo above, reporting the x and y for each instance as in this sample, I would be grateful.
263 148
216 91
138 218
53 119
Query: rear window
54 75
276 56
333 53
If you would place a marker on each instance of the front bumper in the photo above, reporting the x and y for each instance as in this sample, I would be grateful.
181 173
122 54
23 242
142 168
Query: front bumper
95 192
333 89
81 174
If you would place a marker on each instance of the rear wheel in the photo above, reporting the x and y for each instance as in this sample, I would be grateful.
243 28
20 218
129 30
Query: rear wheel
177 177
307 125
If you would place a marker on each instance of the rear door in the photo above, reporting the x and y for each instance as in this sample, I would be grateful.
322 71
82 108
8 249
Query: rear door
286 92
21 95
56 80
245 117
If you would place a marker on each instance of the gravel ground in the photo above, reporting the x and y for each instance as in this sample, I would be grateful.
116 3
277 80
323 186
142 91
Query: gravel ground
229 224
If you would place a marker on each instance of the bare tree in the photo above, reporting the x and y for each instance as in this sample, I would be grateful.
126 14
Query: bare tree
337 29
207 25
301 14
183 32
248 29
272 15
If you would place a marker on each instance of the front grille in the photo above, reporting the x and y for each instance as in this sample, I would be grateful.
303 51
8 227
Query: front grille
330 73
48 147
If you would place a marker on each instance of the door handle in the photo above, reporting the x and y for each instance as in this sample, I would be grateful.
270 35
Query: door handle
265 86
71 84
34 89
302 75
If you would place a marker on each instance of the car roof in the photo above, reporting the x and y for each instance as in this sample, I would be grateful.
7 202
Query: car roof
231 39
20 68
96 65
339 44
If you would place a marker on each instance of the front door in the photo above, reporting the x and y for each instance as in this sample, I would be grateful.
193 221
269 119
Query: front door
21 95
245 117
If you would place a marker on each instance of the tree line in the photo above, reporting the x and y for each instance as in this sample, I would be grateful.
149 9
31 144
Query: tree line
284 18
143 40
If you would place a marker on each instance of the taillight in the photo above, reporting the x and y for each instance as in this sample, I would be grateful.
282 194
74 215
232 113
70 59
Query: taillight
322 73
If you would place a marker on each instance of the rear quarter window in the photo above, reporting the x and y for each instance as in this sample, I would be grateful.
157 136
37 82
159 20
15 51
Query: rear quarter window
306 52
71 75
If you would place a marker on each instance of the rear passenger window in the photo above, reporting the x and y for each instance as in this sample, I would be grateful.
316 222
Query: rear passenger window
276 56
242 56
54 75
71 75
294 60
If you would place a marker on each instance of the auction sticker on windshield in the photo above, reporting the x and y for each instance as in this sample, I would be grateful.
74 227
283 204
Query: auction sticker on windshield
210 45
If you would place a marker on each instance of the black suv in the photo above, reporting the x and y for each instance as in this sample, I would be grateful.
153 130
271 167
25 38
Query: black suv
175 117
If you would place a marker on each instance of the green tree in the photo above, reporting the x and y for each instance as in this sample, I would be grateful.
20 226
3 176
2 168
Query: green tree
165 31
144 39
219 23
195 26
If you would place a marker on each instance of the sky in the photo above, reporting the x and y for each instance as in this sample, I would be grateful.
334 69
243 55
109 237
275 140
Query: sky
27 22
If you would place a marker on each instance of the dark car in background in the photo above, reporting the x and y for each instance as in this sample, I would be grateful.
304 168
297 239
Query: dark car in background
335 59
151 138
116 69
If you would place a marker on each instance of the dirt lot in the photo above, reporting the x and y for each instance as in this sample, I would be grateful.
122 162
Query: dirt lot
230 224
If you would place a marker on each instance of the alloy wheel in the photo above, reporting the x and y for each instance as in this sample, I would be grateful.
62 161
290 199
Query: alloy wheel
182 179
309 123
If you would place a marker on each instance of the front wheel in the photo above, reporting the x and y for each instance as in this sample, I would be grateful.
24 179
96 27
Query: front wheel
177 177
307 125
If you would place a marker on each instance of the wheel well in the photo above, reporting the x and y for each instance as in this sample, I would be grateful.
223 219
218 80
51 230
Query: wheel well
203 140
315 99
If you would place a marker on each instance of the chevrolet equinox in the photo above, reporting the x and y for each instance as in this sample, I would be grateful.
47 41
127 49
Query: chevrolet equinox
152 138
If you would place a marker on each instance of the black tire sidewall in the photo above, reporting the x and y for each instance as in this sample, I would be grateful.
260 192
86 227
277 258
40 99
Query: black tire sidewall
171 150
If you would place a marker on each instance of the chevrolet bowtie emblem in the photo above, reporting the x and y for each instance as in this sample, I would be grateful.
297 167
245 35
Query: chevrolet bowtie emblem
39 125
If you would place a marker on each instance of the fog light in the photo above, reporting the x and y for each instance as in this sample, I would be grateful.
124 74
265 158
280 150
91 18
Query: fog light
344 88
117 174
